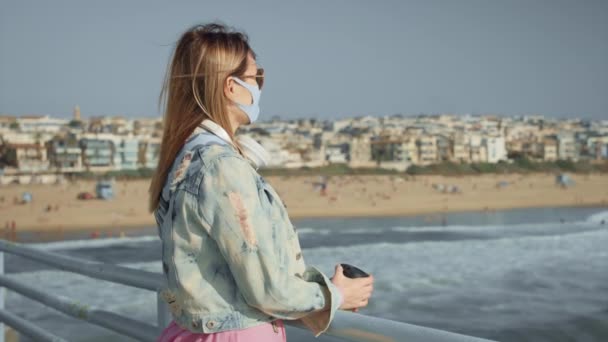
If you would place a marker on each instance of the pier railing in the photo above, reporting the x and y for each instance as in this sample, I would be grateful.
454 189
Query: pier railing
346 325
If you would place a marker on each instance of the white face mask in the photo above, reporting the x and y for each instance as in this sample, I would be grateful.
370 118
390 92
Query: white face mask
253 110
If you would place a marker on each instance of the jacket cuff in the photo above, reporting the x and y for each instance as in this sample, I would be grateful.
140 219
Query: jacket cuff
319 321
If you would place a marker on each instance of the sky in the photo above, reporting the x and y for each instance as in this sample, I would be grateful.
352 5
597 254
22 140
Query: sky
323 59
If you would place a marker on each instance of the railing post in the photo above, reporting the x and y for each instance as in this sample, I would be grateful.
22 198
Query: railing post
162 313
2 291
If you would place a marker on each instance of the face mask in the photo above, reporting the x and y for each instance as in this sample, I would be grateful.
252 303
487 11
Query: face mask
252 110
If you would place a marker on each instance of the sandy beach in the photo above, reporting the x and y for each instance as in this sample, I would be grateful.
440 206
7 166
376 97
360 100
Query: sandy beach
56 210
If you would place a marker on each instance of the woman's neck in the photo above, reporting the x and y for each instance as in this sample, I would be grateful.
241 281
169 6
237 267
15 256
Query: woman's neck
235 126
234 121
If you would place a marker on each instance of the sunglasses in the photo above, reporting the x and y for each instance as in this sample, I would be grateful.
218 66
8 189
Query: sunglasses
259 77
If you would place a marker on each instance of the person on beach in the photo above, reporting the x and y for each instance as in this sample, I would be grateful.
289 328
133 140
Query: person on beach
231 256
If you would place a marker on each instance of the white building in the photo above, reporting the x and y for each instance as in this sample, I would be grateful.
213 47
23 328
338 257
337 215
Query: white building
40 124
566 147
495 148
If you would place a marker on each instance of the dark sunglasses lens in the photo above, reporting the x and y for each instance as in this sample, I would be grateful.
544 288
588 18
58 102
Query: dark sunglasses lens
260 78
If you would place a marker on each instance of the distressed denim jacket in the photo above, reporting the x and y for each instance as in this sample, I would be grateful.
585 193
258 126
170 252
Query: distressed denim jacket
231 256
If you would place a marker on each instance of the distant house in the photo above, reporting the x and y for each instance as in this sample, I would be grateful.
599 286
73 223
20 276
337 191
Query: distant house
477 149
27 157
148 152
549 149
566 148
43 123
97 154
385 149
126 153
65 153
409 151
8 123
444 148
495 148
392 152
597 147
337 153
427 149
361 152
460 149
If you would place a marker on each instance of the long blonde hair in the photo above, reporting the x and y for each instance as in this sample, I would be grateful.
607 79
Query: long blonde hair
193 90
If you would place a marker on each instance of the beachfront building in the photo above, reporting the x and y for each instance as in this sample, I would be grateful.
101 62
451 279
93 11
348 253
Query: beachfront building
64 153
531 149
566 148
337 153
525 147
8 123
361 152
292 158
314 158
392 152
523 131
148 127
598 146
409 150
120 125
340 124
477 149
148 152
444 148
26 157
460 149
427 149
549 149
40 124
495 148
97 153
110 124
126 153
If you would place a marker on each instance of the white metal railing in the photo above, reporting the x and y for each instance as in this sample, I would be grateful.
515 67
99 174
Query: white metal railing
346 325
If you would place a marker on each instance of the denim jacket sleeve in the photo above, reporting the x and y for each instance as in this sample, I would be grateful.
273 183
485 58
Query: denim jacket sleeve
231 206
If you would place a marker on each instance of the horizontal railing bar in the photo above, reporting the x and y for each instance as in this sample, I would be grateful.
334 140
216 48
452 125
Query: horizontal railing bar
116 274
27 328
124 325
374 329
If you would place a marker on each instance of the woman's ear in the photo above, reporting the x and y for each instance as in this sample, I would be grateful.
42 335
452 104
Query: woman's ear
229 87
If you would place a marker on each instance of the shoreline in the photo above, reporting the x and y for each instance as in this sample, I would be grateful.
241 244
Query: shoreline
146 224
42 236
449 211
55 211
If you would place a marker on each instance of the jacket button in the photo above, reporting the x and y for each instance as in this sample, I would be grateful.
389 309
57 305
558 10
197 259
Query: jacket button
210 324
298 256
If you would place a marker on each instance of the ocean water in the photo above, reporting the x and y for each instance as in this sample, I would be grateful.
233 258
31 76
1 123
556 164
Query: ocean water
514 275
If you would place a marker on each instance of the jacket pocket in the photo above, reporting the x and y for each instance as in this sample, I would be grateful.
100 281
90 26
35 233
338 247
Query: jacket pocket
276 208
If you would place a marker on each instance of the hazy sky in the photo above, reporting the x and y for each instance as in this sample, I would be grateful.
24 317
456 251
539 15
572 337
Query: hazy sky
331 58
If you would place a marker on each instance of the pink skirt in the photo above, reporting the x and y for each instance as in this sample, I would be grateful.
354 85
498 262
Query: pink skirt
263 332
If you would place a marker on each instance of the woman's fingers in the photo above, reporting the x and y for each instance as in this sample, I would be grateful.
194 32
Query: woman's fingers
365 281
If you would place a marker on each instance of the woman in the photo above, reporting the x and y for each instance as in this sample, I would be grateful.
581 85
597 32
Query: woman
230 254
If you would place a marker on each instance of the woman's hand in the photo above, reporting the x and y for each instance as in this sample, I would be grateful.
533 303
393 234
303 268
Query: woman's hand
356 291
